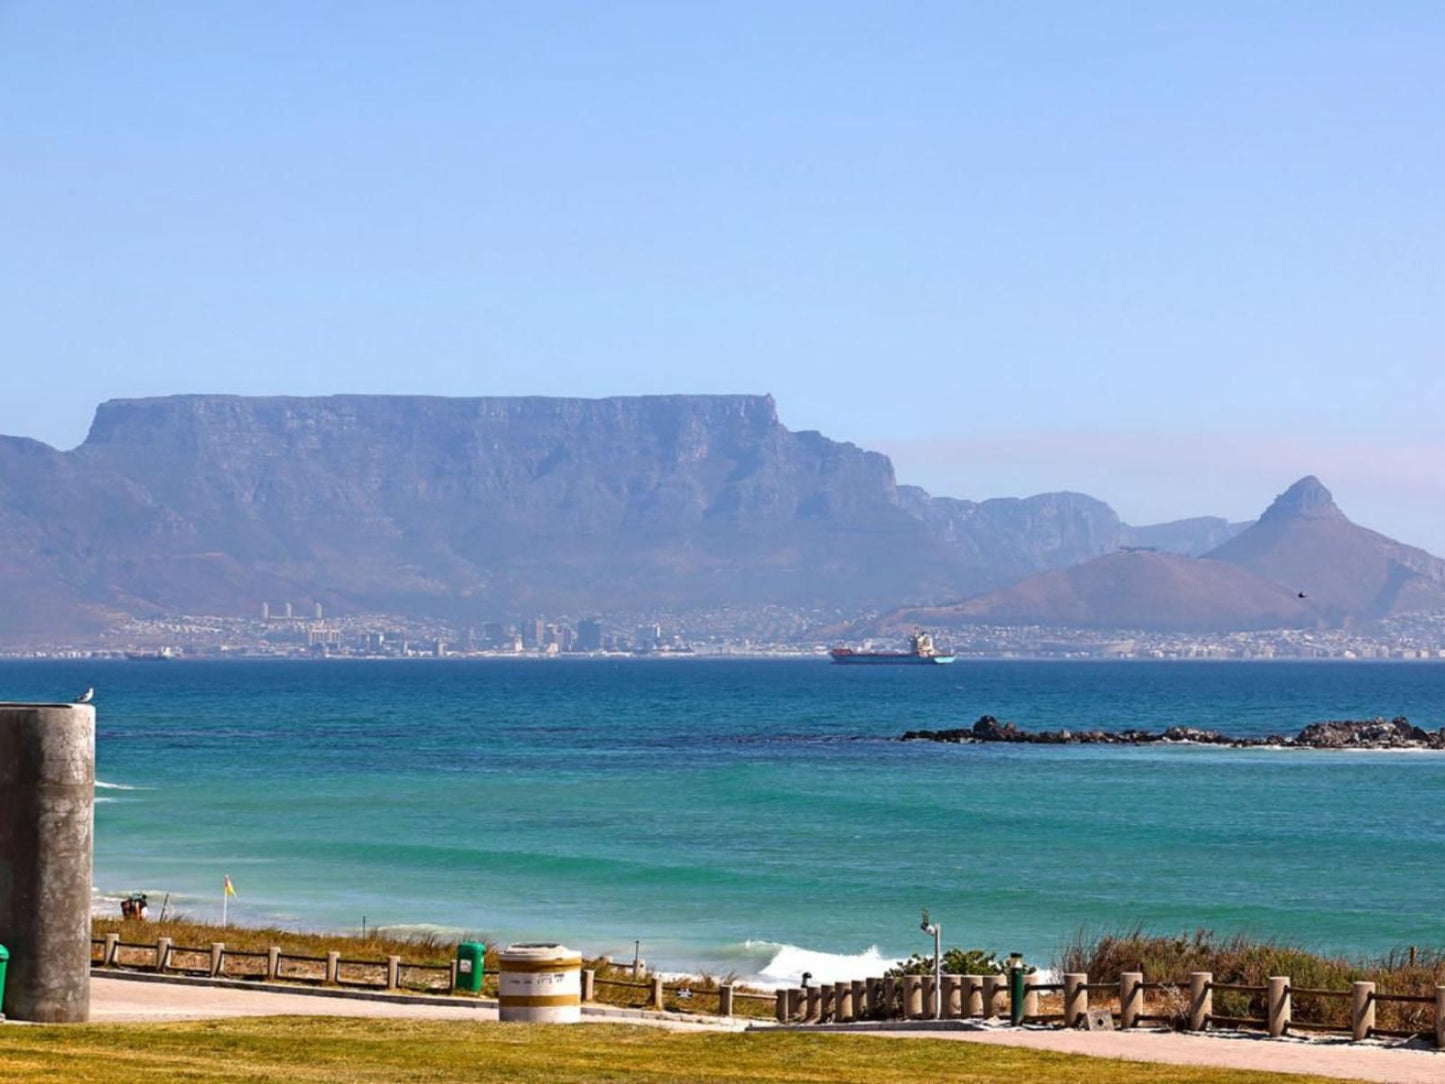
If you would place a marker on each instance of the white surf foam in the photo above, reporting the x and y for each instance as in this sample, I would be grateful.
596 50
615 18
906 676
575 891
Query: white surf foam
786 964
101 784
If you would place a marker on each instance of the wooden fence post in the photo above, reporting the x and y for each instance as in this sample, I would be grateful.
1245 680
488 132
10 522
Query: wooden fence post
1201 999
994 987
1131 998
1279 1005
949 1005
589 984
393 972
656 999
827 1003
1076 999
273 963
842 1001
1362 1010
333 967
724 1000
1440 1017
163 953
797 1002
890 997
780 1010
815 1005
860 999
912 997
108 956
1031 994
218 957
972 996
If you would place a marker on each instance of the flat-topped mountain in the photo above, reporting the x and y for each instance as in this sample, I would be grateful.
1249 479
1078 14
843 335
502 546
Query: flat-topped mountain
491 507
1302 564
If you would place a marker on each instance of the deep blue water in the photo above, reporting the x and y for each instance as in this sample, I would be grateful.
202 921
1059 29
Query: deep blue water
719 809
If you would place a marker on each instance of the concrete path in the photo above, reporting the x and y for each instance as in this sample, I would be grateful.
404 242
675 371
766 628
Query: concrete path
125 1000
115 999
1226 1050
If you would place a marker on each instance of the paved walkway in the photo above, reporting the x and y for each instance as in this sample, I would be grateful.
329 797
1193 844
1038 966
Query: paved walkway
1226 1050
125 1000
116 999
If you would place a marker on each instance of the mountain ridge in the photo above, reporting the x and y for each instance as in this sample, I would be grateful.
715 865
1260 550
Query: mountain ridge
489 506
1302 564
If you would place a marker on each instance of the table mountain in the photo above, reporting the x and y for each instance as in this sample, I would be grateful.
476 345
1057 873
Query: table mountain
490 507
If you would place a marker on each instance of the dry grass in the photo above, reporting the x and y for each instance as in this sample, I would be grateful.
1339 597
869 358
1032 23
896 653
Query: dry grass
292 1050
423 949
1246 961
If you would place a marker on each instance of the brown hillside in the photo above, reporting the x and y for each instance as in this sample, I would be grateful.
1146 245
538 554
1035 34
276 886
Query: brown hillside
1136 589
1347 571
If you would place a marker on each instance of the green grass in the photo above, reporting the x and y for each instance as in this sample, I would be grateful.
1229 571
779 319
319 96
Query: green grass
316 1050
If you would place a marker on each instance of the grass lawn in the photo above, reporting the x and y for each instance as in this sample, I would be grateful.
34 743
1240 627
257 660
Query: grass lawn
299 1050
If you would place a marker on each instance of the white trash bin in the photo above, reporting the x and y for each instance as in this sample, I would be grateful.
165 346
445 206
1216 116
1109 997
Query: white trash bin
541 983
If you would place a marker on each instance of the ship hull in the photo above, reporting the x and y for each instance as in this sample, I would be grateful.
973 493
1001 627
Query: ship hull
898 659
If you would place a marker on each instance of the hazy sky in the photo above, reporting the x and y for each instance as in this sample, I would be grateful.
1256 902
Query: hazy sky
1173 255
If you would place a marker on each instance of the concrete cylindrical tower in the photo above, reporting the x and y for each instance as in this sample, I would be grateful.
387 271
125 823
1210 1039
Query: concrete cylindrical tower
47 816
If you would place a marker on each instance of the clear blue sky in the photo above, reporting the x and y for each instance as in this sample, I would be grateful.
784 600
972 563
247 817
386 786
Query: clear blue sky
1173 255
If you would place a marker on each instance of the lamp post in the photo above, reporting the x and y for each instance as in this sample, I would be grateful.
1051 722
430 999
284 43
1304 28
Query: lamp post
937 931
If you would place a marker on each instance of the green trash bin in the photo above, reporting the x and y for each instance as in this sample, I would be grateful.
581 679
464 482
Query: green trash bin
4 966
471 960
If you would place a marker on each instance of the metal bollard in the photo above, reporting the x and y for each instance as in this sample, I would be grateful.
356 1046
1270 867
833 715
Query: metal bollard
724 1000
1016 995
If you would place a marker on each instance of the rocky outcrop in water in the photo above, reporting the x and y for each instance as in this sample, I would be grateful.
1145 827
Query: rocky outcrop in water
1397 733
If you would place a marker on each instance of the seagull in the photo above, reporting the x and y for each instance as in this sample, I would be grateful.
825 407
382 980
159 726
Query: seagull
85 697
1303 595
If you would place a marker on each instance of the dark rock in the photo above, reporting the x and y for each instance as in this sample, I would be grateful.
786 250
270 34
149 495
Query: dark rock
1397 733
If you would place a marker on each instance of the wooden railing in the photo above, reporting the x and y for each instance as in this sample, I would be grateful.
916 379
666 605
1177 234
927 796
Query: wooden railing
1186 1005
274 965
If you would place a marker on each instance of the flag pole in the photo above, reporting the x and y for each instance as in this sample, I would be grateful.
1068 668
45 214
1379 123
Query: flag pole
225 900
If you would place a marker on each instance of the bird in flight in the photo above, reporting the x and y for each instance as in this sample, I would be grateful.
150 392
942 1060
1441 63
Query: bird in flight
85 697
1303 595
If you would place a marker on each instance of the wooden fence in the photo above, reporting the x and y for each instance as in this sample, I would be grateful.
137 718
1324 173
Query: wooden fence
164 957
1189 1006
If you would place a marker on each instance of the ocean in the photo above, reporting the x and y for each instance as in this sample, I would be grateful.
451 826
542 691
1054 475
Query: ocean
757 817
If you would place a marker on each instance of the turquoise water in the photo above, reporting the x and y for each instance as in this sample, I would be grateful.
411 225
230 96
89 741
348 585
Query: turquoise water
739 815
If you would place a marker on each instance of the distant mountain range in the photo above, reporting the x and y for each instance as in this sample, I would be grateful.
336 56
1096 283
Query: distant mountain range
488 508
492 509
1302 564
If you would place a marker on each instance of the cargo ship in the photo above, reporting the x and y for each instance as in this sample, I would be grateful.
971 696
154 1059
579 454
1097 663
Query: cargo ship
921 652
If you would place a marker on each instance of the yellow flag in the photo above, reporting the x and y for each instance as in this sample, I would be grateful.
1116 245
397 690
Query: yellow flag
230 888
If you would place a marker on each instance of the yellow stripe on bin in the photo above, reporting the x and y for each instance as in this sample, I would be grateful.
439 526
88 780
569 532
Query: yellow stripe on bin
539 1001
570 963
